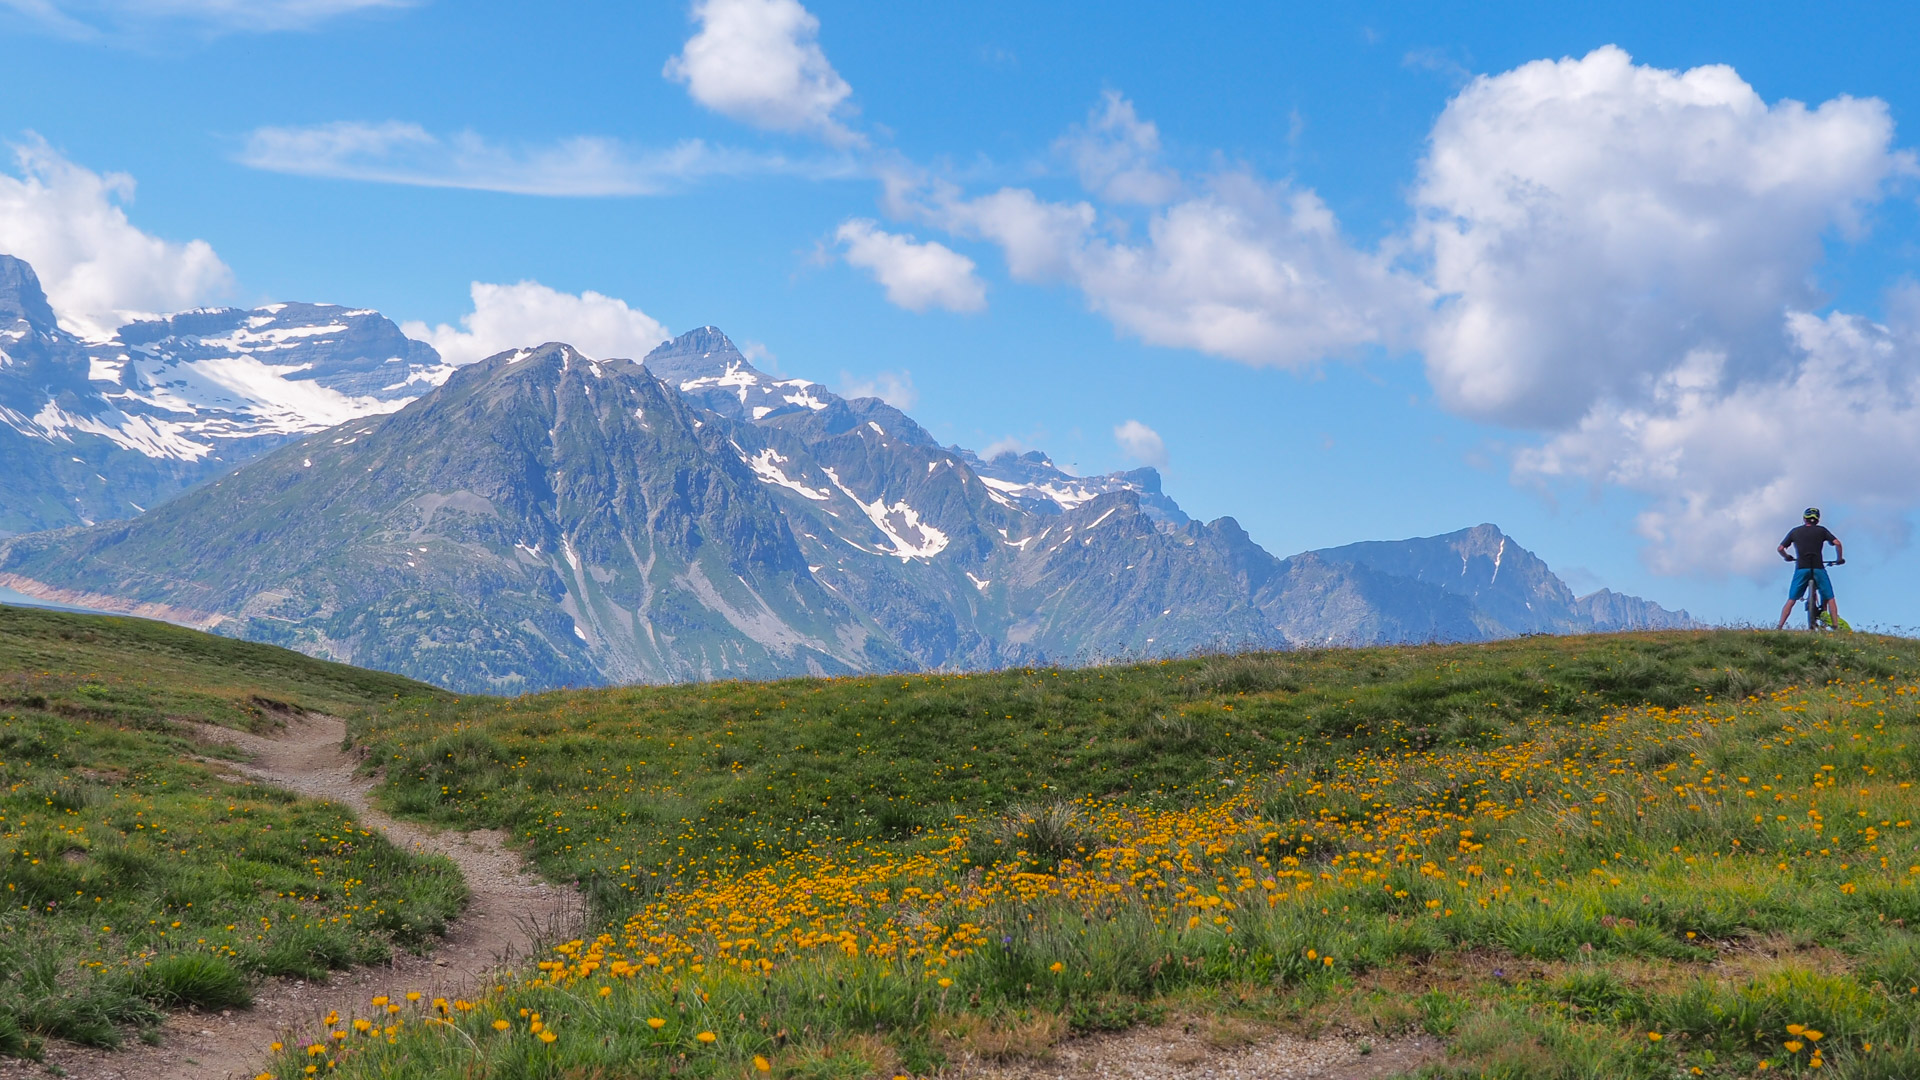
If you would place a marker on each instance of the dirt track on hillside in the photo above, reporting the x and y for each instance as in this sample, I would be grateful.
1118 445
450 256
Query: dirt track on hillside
510 912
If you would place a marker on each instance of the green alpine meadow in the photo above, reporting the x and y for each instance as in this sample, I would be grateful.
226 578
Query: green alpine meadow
1616 855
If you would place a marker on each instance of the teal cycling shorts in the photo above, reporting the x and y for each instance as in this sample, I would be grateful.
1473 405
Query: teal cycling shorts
1804 574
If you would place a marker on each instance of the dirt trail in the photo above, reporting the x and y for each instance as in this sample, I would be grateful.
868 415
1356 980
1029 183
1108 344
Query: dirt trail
511 910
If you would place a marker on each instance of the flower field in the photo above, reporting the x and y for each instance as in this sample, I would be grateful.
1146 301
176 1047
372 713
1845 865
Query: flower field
1670 855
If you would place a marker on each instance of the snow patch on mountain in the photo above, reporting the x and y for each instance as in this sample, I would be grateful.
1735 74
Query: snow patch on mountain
911 537
766 465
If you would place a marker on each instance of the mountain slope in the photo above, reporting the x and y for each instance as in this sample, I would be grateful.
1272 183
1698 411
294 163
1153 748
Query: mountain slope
539 520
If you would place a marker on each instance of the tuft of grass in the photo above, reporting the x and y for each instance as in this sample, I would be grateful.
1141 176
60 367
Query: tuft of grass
197 979
1046 834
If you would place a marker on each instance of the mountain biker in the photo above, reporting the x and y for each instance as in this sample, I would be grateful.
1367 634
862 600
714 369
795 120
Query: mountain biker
1809 542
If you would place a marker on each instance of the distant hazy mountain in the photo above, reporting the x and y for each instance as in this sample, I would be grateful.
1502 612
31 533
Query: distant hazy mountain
101 430
1510 588
544 519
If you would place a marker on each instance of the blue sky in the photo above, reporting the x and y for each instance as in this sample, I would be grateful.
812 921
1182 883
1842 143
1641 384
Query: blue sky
1362 270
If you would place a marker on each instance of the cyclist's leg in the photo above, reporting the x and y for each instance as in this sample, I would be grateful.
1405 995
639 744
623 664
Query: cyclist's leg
1826 590
1796 589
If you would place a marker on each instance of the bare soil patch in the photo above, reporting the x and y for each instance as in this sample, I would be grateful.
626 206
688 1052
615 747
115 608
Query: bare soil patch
1197 1051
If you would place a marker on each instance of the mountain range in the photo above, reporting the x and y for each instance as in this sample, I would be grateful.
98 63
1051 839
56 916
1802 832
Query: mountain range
305 475
98 430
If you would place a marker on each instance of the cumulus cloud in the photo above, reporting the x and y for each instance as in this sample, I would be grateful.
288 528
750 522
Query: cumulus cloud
529 313
1252 271
915 275
1626 258
1117 155
1729 463
759 61
99 270
893 387
1141 443
396 152
1592 222
1230 264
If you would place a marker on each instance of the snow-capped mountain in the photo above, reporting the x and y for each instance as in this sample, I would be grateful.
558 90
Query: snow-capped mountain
283 369
101 430
541 518
1033 482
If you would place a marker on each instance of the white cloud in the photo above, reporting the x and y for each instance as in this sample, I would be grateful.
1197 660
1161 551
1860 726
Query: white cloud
759 355
1230 265
916 275
1592 222
529 313
97 267
1626 257
1141 443
1117 155
85 18
1251 271
1728 464
893 387
395 152
758 61
1006 444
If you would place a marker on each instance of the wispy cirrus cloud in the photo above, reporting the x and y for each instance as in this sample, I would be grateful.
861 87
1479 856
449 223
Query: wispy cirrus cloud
397 152
94 18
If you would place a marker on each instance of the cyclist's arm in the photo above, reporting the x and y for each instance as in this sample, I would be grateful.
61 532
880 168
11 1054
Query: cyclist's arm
1782 549
1839 552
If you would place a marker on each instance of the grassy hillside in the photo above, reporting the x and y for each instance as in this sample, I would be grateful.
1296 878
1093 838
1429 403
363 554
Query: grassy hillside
133 877
1627 856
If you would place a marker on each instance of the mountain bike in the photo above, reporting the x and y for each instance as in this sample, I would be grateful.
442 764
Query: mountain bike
1817 616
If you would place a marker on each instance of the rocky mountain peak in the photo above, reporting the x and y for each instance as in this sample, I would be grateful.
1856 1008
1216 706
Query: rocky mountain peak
22 298
704 366
702 353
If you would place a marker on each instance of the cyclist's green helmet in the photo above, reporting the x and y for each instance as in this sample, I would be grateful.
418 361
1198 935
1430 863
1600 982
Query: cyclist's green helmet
1811 513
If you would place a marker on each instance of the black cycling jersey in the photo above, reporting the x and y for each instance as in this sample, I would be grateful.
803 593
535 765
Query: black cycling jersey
1808 541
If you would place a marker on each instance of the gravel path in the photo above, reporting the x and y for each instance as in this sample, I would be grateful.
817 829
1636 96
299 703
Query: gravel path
510 912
